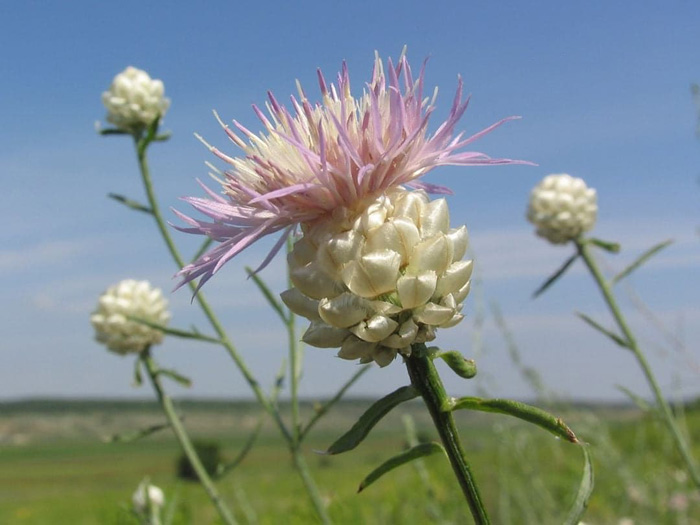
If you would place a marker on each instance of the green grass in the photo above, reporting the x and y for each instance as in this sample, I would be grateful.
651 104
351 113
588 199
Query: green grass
66 475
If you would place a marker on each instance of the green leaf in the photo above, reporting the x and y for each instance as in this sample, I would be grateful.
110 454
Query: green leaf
612 247
138 378
194 334
371 417
641 260
616 338
276 305
112 131
130 203
460 365
585 490
223 469
176 376
136 434
641 403
163 137
419 451
517 409
549 282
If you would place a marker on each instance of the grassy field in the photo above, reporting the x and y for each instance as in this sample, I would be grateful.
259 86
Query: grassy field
56 468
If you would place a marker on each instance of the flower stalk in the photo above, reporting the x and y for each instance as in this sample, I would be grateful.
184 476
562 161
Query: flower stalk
425 378
293 437
184 440
630 342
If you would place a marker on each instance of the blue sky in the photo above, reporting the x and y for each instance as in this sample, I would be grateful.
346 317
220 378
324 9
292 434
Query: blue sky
604 95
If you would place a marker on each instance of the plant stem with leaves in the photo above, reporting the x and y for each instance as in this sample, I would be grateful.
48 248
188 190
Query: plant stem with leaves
425 379
628 340
294 436
183 438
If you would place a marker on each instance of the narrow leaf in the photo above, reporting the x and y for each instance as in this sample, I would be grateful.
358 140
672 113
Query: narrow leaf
641 260
138 378
463 367
419 451
112 131
612 247
549 282
323 409
223 469
517 409
619 340
641 403
267 293
130 203
194 334
585 490
136 434
371 417
176 376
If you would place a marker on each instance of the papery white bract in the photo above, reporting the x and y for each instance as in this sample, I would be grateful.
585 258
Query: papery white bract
562 207
375 282
134 100
129 298
334 157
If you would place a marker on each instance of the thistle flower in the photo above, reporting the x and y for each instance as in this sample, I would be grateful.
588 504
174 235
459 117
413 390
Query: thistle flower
336 157
134 100
148 499
374 282
129 298
562 207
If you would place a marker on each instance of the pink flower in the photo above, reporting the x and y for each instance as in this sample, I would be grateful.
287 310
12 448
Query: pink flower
339 154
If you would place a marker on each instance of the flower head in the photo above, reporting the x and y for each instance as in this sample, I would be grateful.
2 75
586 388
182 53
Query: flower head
134 100
374 282
336 156
148 499
562 207
127 299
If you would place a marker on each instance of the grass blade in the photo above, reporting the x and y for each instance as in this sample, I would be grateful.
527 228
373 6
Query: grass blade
641 260
528 413
371 417
549 282
616 338
419 451
585 490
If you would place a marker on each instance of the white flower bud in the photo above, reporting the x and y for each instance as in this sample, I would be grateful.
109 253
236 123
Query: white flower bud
129 298
562 207
134 100
376 280
148 499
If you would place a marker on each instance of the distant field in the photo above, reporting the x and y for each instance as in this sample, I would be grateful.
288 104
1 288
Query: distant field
55 467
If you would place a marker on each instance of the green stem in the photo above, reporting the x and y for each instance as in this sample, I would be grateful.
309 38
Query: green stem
631 343
183 438
425 378
310 486
292 438
141 149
